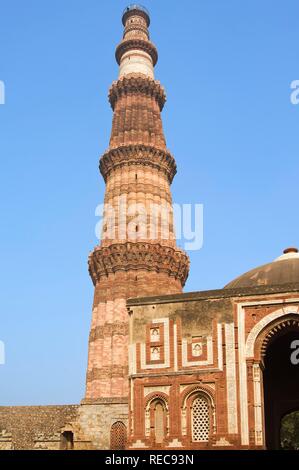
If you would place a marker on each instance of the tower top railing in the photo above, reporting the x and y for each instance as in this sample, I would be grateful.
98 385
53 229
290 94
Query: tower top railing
135 7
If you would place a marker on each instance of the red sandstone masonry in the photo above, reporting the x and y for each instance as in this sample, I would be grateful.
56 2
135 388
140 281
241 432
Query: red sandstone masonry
137 165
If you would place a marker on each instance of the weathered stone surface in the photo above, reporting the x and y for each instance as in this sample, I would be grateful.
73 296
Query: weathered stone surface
29 425
96 420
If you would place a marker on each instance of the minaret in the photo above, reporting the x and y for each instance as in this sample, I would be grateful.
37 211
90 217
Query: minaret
137 255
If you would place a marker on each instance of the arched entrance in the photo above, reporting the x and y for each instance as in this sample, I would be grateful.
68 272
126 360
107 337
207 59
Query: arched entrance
280 378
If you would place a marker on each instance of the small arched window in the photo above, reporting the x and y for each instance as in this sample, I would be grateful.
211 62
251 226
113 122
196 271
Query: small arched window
200 419
118 436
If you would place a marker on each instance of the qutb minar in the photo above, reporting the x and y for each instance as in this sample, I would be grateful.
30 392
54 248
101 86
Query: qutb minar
166 369
138 170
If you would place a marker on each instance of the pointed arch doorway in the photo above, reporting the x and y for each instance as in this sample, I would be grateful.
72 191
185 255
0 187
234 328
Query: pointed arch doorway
280 379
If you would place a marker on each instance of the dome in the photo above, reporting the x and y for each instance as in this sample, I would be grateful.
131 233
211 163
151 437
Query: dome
283 270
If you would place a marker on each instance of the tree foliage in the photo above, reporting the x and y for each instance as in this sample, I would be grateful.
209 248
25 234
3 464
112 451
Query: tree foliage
289 434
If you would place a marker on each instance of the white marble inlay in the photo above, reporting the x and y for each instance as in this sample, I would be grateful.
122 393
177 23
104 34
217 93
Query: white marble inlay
257 396
243 377
166 362
206 362
231 382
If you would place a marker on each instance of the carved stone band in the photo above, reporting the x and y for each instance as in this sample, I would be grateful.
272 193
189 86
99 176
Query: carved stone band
109 329
138 256
138 155
142 44
107 372
104 401
137 83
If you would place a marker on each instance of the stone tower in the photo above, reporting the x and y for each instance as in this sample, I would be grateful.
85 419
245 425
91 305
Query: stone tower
137 255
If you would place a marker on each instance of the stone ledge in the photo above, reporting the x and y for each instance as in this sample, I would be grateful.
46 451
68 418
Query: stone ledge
105 401
136 43
138 155
215 294
138 256
135 84
107 372
108 329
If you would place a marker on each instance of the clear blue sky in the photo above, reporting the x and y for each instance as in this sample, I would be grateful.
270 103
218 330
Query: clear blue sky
227 68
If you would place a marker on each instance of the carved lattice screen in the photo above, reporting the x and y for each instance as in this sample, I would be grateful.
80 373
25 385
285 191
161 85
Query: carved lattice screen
200 420
118 436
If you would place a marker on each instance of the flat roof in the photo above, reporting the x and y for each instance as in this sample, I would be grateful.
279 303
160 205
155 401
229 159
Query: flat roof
214 294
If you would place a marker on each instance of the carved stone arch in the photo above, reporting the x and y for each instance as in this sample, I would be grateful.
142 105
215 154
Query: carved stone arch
258 330
187 397
275 329
197 389
156 396
151 400
262 336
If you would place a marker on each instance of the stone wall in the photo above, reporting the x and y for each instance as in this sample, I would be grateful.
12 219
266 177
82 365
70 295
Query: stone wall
5 440
95 420
34 427
41 427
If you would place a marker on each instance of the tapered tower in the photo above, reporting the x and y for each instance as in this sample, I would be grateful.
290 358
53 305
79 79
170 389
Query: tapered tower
137 255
